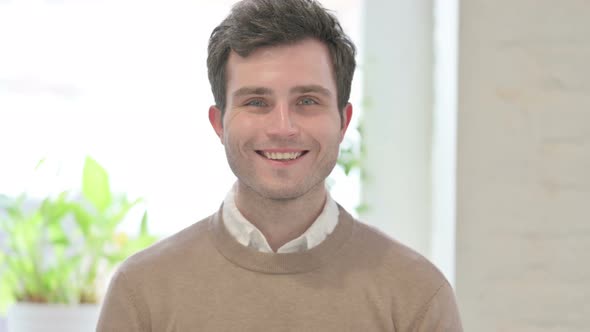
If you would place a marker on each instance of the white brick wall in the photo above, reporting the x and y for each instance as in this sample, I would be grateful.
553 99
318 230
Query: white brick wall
523 204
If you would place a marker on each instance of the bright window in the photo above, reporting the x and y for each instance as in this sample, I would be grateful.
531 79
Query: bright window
124 82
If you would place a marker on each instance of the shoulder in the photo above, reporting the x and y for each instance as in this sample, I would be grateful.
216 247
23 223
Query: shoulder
153 278
421 296
398 263
171 252
373 241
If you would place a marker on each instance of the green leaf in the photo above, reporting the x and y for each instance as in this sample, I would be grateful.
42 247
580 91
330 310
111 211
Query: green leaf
55 210
118 216
362 208
83 219
57 236
77 256
95 185
116 258
40 163
143 228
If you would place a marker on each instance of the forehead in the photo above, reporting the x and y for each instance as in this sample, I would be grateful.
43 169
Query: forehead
306 62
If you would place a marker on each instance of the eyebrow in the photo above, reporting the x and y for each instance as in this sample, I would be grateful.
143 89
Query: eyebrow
311 88
254 90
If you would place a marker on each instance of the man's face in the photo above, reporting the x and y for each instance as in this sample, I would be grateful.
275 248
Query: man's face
282 128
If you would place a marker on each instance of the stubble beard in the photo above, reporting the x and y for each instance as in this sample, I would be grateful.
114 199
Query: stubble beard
247 177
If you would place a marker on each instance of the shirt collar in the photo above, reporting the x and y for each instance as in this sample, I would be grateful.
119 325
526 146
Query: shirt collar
248 235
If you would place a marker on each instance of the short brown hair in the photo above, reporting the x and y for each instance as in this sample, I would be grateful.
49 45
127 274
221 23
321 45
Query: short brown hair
257 23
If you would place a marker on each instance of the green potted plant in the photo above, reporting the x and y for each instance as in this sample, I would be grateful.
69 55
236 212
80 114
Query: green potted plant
54 255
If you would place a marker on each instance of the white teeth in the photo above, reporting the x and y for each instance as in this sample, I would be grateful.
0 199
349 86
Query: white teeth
282 156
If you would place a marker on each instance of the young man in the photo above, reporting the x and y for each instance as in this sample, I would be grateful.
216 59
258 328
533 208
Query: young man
280 254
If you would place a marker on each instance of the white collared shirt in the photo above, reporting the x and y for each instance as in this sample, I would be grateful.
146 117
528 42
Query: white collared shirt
248 235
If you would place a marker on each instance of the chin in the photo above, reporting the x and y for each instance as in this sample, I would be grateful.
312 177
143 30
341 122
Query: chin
282 192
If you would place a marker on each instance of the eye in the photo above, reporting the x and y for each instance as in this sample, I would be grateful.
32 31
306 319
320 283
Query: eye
306 101
256 103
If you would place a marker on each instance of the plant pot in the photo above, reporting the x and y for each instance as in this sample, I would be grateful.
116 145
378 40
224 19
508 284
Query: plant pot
36 317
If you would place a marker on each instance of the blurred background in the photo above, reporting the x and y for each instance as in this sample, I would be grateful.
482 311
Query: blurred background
470 140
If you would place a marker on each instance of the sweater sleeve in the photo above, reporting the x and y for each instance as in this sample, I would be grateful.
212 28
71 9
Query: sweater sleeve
440 313
120 310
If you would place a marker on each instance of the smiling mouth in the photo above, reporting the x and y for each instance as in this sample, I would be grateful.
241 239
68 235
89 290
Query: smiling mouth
282 156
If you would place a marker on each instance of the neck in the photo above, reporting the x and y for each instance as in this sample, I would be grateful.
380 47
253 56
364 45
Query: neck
280 221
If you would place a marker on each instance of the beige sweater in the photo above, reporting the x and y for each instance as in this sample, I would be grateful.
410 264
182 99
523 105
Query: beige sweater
201 279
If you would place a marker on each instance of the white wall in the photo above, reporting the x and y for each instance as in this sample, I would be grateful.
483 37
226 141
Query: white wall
409 123
398 98
523 205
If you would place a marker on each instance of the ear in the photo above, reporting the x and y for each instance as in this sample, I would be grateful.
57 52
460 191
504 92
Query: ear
216 120
346 116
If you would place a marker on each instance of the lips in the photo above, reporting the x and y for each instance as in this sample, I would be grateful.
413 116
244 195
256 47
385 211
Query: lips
278 155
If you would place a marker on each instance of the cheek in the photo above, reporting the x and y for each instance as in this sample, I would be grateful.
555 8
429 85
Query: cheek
329 132
239 131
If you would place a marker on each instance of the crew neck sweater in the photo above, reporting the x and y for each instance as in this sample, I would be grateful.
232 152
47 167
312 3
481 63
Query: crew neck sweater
247 234
202 279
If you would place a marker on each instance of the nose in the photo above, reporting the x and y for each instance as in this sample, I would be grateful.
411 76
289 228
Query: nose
282 122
